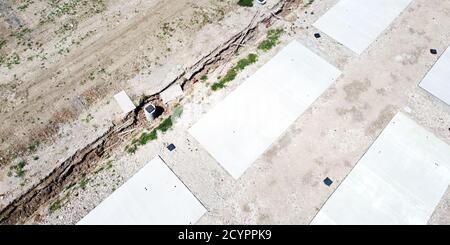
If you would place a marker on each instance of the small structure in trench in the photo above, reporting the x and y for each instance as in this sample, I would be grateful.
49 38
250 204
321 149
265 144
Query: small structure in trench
150 112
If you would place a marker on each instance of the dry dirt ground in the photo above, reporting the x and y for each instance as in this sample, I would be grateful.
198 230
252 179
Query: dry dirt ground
63 60
284 186
61 57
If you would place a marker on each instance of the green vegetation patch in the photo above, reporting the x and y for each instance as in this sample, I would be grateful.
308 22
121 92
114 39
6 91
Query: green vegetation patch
131 148
232 73
246 3
88 118
57 204
251 58
203 16
142 140
271 40
106 166
167 30
83 183
165 125
33 146
20 34
9 61
2 43
146 137
24 4
308 2
17 169
56 9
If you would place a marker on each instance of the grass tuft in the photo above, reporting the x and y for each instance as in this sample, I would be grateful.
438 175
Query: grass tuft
145 137
271 40
55 206
232 73
17 169
245 3
33 146
165 125
83 183
2 43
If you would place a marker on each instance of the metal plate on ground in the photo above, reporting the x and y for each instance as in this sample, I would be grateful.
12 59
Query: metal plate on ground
171 93
437 81
358 23
153 196
400 180
124 102
244 125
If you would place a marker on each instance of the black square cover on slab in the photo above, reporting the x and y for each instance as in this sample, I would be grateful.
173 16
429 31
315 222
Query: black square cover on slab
327 181
171 147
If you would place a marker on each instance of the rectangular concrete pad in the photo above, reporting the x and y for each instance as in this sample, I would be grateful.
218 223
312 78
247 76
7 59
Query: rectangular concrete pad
153 196
358 23
171 93
124 102
400 180
437 81
244 125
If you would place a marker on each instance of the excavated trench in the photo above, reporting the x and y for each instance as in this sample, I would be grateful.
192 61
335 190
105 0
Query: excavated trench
86 159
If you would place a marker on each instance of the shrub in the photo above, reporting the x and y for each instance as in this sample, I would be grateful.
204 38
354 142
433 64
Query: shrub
18 169
146 137
246 3
165 125
271 39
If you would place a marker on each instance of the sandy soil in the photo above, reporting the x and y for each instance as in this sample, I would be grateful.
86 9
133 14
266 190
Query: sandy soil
72 57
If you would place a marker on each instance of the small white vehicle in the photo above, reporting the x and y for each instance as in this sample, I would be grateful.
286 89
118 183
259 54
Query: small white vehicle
262 2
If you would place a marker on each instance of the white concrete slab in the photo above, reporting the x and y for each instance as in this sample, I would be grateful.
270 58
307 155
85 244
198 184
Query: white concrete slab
400 180
171 93
153 196
244 125
124 102
437 81
358 23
